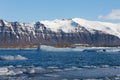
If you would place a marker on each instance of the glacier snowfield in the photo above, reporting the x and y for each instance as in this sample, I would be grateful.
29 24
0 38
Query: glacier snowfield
50 63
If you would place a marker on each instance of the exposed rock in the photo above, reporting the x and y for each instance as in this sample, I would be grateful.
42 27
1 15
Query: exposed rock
22 34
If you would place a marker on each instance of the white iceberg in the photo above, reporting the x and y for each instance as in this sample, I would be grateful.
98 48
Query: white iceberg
80 48
3 71
51 48
10 57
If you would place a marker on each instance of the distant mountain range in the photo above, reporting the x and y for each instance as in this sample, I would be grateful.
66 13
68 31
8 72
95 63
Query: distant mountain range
59 32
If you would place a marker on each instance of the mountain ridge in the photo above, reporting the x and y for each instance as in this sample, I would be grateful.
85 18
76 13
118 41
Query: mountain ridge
65 31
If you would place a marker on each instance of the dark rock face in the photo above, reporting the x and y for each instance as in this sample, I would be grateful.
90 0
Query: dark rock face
16 34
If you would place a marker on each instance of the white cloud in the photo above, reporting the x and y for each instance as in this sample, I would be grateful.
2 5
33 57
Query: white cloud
113 15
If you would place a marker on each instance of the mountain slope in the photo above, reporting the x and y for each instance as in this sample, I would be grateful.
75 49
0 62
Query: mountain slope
65 31
110 28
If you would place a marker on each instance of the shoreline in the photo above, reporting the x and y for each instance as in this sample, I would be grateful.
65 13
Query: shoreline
54 45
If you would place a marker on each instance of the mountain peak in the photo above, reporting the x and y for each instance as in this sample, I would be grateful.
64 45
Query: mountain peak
70 25
62 31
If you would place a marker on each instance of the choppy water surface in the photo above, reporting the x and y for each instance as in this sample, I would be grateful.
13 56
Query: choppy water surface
49 65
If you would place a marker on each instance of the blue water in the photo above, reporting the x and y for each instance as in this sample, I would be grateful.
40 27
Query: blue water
61 59
69 65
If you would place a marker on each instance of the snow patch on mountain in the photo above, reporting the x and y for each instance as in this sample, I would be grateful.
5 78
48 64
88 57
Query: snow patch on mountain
70 25
109 28
64 25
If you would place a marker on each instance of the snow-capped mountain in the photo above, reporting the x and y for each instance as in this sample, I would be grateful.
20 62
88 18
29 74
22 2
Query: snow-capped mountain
71 24
65 31
110 28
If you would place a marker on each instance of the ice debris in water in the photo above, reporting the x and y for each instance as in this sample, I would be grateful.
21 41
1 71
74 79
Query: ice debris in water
10 57
80 48
74 74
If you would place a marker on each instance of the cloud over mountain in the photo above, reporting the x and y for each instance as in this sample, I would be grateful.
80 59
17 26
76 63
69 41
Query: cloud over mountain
113 15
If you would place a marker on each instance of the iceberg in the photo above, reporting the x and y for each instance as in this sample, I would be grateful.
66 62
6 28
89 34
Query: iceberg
3 70
51 48
80 48
10 57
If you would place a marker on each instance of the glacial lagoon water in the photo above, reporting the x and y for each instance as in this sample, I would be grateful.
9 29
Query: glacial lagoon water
30 64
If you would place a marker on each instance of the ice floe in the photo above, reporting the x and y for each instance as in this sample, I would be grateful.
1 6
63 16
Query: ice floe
11 57
90 73
80 48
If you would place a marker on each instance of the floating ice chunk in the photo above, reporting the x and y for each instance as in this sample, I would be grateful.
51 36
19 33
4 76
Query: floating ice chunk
50 48
80 48
52 75
113 49
3 71
30 71
14 72
10 57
